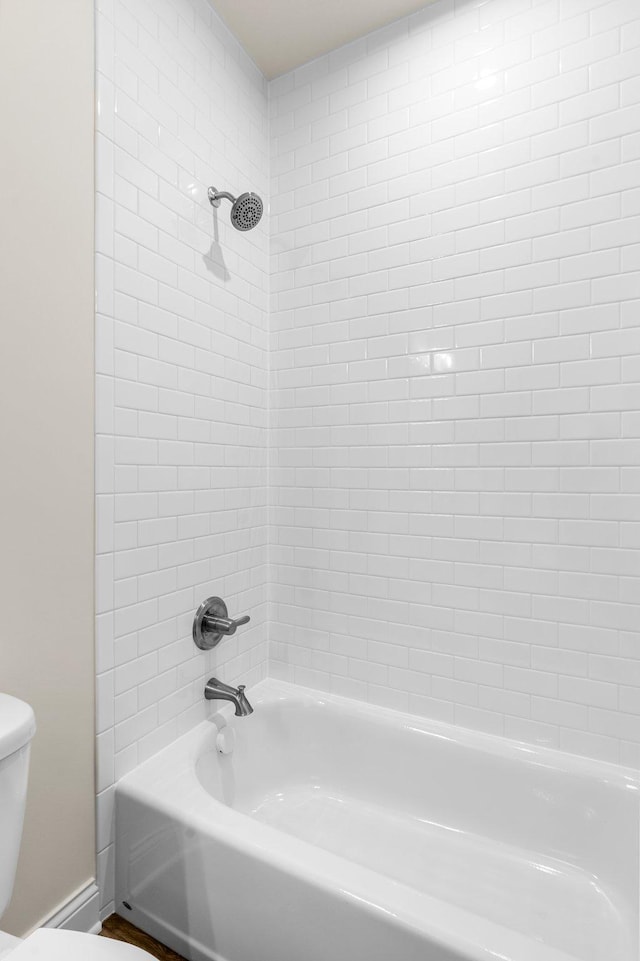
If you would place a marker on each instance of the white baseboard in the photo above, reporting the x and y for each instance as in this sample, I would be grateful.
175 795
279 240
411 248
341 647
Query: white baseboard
107 910
80 913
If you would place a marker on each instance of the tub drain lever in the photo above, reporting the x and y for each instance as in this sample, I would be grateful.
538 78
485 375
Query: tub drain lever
212 623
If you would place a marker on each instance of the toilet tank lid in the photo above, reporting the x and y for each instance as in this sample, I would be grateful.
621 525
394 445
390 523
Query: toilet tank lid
17 725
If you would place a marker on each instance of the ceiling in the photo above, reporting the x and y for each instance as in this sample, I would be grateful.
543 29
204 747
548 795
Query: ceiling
282 34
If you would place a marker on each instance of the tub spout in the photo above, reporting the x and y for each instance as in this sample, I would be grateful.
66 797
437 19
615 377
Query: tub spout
215 690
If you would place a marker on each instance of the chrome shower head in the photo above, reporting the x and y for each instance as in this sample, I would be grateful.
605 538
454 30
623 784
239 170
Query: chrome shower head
246 210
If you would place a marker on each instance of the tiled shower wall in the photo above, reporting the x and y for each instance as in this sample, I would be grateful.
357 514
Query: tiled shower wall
182 375
455 241
455 356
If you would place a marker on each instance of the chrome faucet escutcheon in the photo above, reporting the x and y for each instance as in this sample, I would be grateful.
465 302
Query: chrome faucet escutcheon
212 623
216 690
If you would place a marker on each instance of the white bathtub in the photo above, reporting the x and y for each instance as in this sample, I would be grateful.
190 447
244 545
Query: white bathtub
340 832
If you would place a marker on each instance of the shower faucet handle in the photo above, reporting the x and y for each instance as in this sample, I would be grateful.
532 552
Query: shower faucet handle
212 623
226 625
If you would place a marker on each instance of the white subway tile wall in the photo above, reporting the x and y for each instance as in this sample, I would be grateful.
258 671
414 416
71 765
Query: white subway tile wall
181 354
455 366
444 388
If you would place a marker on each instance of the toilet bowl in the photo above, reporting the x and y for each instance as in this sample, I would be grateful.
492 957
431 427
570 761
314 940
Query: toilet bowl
17 727
51 944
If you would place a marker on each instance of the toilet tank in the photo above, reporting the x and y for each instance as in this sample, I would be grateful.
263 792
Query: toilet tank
17 727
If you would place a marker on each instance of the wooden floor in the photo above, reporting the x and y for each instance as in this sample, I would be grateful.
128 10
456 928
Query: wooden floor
118 929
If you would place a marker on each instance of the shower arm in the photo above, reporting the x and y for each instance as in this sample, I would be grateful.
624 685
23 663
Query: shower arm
215 196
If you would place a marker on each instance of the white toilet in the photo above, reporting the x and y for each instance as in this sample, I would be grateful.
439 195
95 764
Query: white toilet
17 727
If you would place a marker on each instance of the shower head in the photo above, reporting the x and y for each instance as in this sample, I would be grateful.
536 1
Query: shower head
246 210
